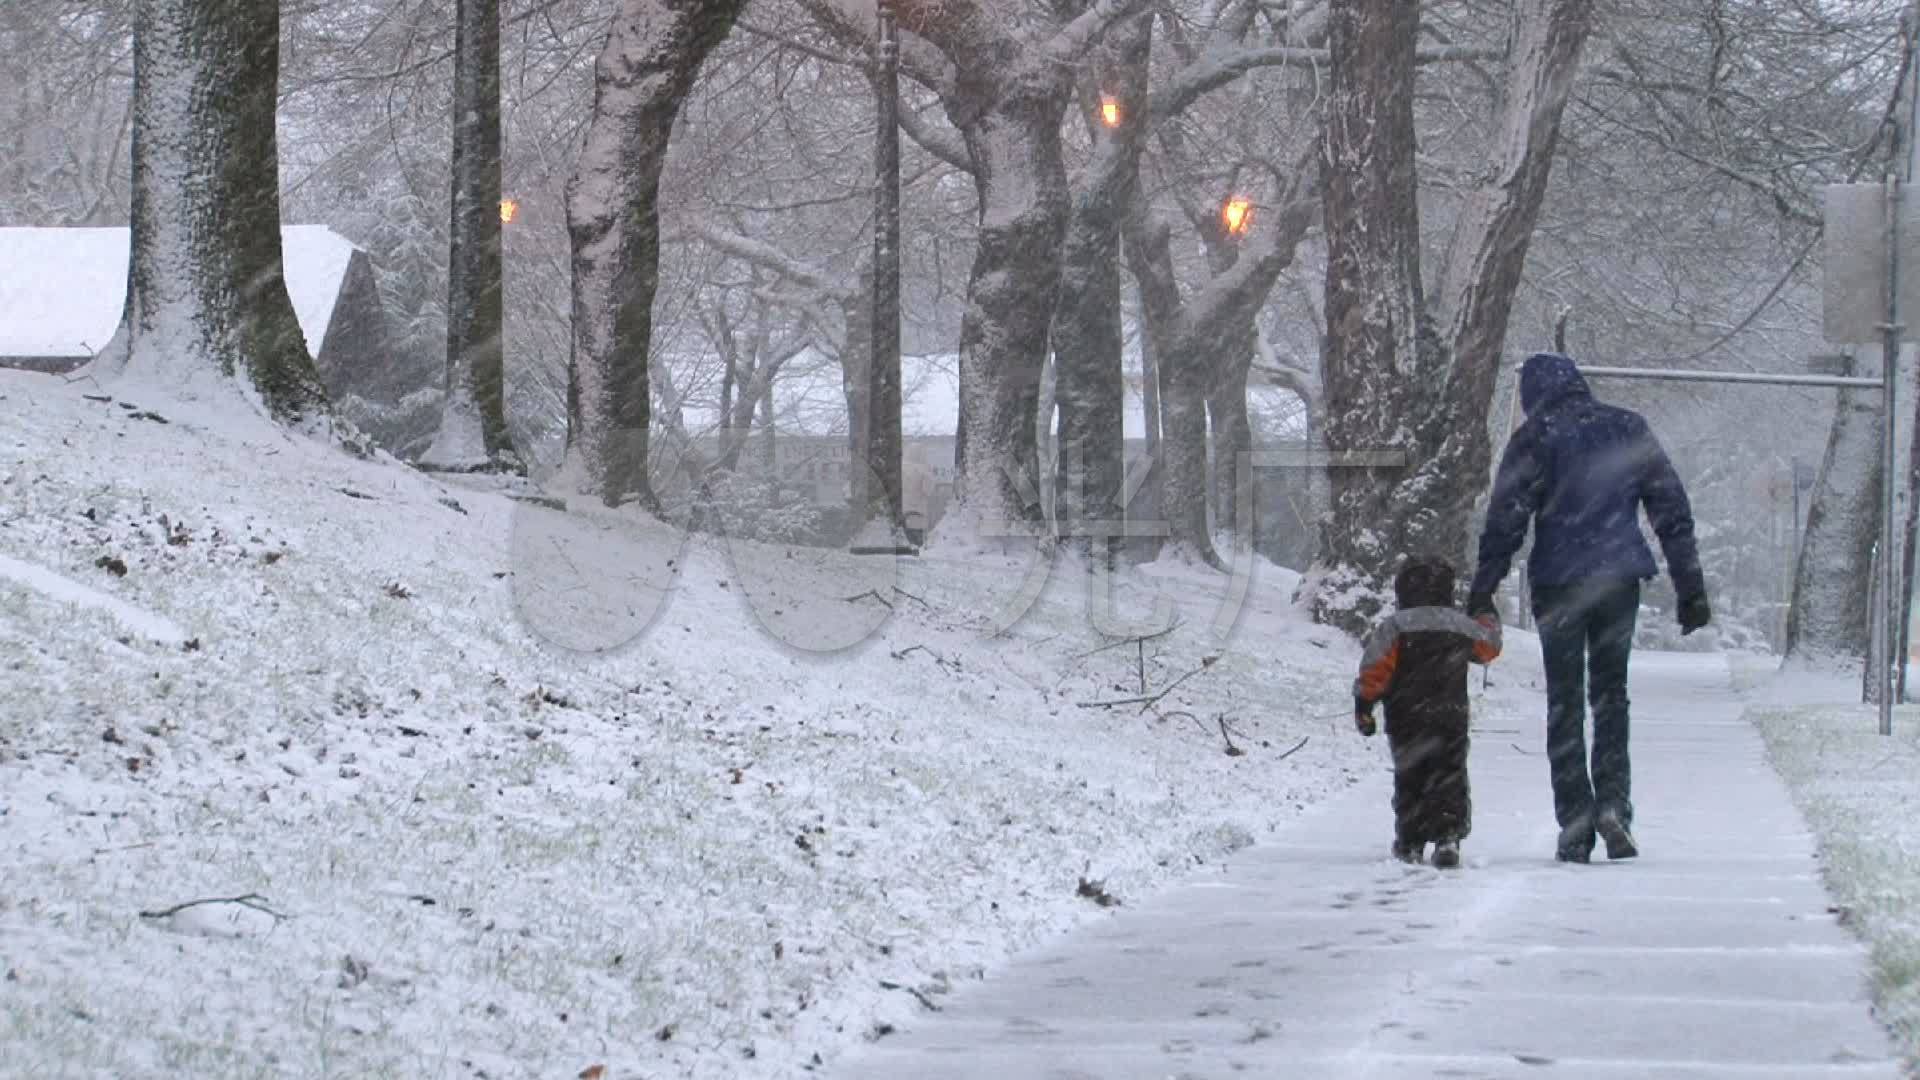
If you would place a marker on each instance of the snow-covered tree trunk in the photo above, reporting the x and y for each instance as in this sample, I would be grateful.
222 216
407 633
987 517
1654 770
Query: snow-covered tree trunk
206 288
1090 379
1374 304
1007 86
856 353
1827 618
1182 374
1231 429
1022 185
1191 342
1489 245
1144 508
653 52
473 418
1385 351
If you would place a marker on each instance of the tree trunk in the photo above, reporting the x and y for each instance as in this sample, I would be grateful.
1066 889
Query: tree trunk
1183 377
473 419
1827 618
1143 543
1373 290
1232 432
1090 373
1489 247
1189 338
856 309
1046 443
653 51
1021 179
1384 352
206 287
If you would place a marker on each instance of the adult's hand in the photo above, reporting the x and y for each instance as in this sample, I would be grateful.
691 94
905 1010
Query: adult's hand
1695 613
1481 603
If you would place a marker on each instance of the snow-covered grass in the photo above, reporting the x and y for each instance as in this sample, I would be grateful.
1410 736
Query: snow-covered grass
1861 793
493 790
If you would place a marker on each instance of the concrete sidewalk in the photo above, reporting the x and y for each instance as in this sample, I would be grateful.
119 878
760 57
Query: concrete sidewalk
1712 955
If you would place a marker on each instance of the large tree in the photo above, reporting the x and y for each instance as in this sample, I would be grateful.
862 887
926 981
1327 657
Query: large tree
1400 375
206 289
473 419
1089 390
653 51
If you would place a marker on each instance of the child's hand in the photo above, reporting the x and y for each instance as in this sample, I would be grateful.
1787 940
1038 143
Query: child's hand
1363 722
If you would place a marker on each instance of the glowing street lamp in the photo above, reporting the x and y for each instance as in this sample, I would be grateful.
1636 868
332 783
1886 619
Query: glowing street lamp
1110 110
509 209
1237 215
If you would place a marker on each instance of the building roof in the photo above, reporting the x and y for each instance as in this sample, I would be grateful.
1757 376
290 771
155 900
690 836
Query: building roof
62 291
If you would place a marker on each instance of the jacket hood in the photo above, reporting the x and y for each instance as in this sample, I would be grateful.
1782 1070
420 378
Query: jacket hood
1424 581
1547 377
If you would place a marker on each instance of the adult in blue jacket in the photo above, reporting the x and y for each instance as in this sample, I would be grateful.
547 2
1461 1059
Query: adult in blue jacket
1580 471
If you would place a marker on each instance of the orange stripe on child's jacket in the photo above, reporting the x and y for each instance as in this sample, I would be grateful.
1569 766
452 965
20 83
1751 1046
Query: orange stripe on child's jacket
1377 676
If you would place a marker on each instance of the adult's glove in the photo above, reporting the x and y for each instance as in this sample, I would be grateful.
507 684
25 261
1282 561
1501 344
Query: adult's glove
1481 603
1695 613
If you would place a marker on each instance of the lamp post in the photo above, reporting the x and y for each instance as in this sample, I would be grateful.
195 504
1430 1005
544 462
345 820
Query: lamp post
883 508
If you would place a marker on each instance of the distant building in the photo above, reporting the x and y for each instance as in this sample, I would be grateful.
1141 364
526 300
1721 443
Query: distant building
62 293
812 457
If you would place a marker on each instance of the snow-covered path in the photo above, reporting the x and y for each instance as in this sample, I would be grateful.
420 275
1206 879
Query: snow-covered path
1713 955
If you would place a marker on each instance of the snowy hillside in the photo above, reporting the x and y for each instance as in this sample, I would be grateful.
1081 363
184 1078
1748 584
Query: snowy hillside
482 789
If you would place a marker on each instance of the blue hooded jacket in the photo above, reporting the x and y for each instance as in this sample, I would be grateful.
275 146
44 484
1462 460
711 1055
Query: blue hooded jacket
1580 470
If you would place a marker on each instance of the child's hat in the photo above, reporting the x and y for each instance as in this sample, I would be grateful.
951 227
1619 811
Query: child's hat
1424 581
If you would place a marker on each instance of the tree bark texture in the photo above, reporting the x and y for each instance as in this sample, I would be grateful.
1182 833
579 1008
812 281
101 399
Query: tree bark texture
206 288
1090 388
1385 350
1827 619
473 422
653 52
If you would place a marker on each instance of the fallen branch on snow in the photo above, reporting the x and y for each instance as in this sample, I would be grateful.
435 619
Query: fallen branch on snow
1135 640
937 658
249 900
1296 748
875 594
1232 750
920 995
1148 701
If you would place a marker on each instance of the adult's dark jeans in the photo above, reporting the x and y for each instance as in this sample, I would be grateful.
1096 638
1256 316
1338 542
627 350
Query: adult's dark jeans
1586 636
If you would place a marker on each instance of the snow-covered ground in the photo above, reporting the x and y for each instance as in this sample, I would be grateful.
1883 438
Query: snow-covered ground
1715 955
483 789
1861 793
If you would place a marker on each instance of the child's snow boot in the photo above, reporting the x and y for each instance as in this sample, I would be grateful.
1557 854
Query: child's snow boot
1446 854
1410 852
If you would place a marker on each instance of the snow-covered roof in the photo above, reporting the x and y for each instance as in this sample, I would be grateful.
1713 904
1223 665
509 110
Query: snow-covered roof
62 290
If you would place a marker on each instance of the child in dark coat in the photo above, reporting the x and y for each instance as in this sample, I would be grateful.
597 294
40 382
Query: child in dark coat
1416 662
